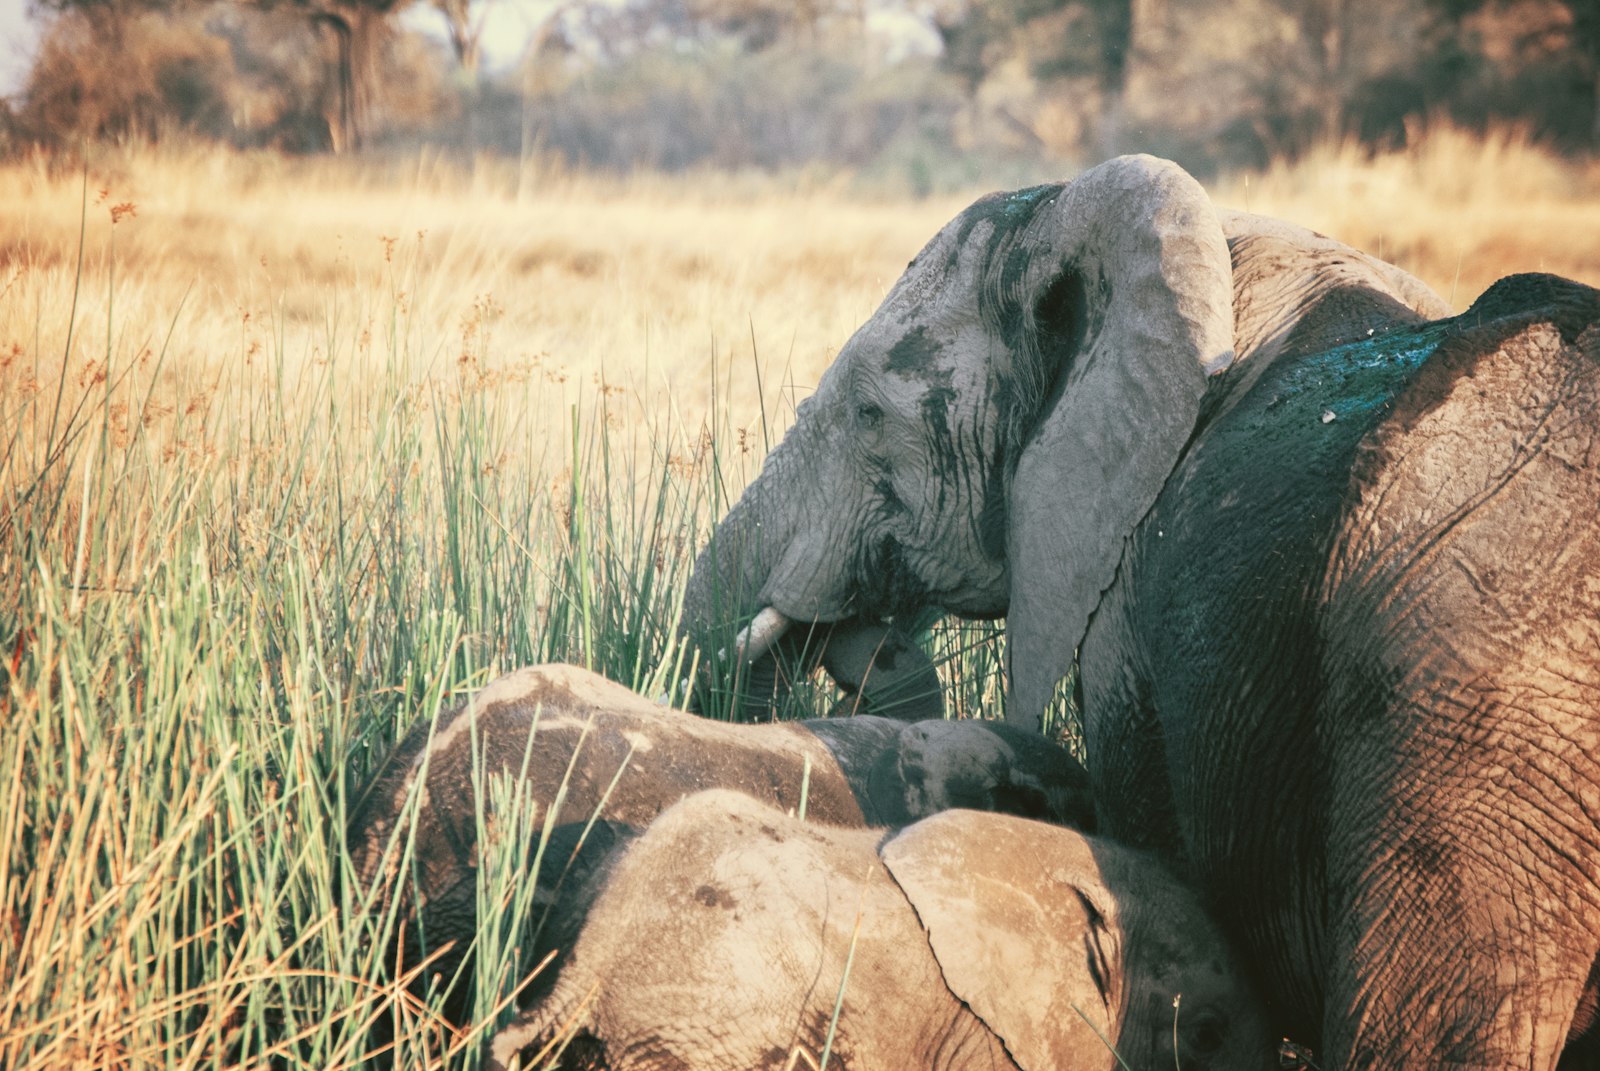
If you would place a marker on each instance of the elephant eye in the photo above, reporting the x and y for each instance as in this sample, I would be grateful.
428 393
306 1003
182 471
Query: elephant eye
1205 1033
869 416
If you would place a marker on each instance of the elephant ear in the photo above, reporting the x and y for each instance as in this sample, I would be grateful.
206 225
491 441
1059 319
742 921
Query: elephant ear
1024 931
1131 295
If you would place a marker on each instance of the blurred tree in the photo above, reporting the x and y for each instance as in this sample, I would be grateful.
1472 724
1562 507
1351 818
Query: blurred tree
1555 30
163 73
357 30
1323 55
1061 42
972 38
302 75
1324 33
464 21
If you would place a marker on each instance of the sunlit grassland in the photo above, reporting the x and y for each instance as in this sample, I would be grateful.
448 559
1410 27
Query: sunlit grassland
293 453
280 476
1459 210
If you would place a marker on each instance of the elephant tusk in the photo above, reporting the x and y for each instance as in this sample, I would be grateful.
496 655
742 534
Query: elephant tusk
756 638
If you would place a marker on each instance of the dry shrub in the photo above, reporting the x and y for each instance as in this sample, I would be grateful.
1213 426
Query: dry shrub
108 75
241 75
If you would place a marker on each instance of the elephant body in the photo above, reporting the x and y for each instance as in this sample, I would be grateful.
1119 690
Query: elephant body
1394 520
609 761
732 935
1328 556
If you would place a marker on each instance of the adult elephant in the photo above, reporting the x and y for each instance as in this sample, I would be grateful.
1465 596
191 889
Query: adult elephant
1336 603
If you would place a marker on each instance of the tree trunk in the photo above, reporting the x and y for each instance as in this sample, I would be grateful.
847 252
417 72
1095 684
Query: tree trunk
352 89
466 34
1594 124
338 107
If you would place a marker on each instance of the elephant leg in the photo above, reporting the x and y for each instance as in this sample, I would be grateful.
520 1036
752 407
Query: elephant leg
1463 904
1431 978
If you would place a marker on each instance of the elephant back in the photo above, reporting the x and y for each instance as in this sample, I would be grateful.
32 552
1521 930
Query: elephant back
594 748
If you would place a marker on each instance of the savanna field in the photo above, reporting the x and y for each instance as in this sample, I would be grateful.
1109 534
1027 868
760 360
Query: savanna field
296 453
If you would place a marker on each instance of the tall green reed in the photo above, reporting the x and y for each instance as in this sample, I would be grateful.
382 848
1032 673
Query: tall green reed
218 612
214 622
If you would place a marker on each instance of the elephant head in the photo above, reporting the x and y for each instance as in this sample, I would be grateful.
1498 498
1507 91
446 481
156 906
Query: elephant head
1016 402
731 935
986 440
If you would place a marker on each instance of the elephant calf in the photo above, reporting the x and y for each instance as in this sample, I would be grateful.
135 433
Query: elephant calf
622 759
729 935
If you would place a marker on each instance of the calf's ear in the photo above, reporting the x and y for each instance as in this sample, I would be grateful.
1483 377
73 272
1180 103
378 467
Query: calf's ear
1023 929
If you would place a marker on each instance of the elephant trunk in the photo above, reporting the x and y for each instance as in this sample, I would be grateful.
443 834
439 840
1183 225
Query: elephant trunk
748 649
726 590
719 607
768 602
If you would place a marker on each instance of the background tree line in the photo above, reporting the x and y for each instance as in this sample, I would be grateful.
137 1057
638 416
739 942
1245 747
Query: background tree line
932 92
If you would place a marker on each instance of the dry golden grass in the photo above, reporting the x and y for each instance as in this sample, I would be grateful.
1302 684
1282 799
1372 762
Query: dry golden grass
651 288
1457 209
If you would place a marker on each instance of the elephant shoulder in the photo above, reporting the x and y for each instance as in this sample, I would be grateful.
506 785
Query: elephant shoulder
1527 344
1299 291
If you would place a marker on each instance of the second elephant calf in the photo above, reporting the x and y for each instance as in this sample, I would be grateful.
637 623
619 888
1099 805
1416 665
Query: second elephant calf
732 936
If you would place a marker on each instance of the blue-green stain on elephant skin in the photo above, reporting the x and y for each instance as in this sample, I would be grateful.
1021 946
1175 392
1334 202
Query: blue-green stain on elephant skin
1341 395
1346 390
915 355
941 444
1006 211
1361 378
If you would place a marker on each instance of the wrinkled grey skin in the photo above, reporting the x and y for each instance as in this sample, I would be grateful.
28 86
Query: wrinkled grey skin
981 941
1329 558
853 772
945 414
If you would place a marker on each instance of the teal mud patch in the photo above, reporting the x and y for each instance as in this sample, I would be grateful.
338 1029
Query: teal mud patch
1007 211
1354 384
